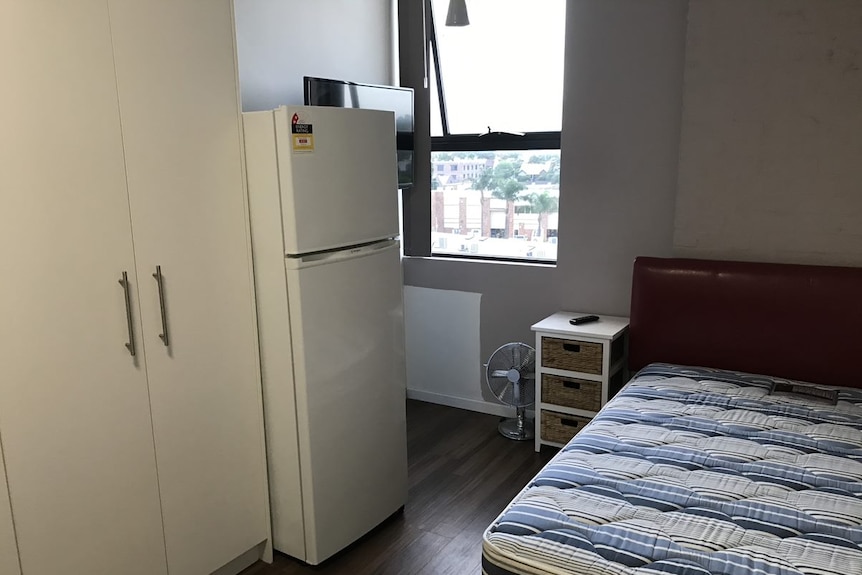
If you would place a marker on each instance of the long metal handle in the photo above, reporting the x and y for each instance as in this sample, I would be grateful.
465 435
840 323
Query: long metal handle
124 281
164 335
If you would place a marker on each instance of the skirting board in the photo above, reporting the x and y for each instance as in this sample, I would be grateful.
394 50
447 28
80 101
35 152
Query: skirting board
497 409
262 551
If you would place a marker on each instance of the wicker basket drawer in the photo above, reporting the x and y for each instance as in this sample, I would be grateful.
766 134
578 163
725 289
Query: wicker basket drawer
572 355
571 392
559 427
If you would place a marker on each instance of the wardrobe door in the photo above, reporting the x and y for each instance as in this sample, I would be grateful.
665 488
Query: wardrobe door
179 105
8 547
74 406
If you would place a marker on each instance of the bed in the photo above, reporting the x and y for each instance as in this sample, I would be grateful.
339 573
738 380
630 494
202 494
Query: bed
713 469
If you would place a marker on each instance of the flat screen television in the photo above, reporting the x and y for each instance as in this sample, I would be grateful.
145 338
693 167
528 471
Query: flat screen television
341 94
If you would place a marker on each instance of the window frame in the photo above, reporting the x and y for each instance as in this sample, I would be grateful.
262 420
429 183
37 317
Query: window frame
489 142
449 142
496 142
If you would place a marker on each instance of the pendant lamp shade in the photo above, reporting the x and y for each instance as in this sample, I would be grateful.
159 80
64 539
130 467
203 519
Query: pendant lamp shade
457 14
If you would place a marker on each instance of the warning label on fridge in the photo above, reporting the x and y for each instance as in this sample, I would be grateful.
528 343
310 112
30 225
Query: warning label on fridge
303 135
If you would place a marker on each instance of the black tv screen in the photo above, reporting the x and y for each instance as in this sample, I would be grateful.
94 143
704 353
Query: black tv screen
341 94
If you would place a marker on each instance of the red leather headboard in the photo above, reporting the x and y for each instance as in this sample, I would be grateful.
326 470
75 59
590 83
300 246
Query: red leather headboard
793 321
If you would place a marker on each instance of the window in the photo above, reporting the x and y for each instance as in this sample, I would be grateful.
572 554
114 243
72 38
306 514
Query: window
496 111
500 211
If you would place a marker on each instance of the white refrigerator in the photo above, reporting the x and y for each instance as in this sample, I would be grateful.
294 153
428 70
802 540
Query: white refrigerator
324 222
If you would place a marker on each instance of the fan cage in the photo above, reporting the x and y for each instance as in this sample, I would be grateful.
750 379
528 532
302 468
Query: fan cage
511 374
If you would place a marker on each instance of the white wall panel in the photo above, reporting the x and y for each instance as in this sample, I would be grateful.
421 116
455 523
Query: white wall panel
772 132
442 341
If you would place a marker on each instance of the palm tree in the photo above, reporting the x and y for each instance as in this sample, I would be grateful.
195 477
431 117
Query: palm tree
543 204
484 182
509 190
502 181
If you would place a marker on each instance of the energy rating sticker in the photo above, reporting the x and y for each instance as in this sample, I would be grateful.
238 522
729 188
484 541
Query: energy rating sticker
303 142
303 135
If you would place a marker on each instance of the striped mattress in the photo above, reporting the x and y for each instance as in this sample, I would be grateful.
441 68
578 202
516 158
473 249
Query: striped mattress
691 471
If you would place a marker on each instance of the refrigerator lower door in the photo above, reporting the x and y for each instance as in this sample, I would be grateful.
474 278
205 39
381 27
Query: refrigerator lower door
347 326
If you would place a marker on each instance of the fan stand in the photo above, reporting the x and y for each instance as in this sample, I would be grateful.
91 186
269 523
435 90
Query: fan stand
519 427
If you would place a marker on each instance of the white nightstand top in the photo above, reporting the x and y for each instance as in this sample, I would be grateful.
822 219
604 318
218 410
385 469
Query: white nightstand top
608 327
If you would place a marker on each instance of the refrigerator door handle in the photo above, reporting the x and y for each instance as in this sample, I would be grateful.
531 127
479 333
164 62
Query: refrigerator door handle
316 259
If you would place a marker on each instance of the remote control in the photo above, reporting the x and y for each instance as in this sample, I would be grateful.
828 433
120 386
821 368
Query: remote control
584 319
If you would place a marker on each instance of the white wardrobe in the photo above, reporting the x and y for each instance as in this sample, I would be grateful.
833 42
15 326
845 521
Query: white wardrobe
130 410
8 551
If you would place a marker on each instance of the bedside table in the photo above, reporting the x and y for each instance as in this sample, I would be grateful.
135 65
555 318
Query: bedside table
578 368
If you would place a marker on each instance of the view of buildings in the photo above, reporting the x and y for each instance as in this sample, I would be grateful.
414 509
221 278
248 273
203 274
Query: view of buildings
496 204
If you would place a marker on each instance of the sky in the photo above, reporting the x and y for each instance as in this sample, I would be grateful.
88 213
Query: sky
504 70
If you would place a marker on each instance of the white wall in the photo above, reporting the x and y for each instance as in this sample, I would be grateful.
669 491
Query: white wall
771 155
621 122
280 41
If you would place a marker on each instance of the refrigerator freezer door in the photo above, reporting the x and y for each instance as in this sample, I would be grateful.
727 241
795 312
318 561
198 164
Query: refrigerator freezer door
338 176
348 335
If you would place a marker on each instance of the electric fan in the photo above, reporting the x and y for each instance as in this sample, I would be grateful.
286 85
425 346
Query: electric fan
511 376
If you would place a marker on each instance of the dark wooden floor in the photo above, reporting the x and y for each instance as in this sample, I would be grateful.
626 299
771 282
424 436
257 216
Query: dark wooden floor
462 473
